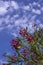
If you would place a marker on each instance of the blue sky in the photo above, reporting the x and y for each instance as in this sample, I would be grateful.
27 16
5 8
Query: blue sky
15 14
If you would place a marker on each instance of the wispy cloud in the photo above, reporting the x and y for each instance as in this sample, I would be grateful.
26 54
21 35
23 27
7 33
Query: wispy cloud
17 20
15 4
36 11
36 4
3 7
26 7
3 10
41 8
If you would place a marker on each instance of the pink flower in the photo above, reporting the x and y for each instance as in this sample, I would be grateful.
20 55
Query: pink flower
4 64
30 38
23 32
15 43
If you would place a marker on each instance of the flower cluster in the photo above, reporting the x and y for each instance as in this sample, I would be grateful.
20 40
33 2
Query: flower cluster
15 43
30 38
23 32
31 45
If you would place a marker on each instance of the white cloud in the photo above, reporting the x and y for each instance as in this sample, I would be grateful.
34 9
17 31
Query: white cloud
20 21
17 22
26 7
42 8
30 4
7 19
3 7
17 15
24 20
33 18
9 26
34 3
36 11
39 5
3 10
38 21
30 29
14 4
4 3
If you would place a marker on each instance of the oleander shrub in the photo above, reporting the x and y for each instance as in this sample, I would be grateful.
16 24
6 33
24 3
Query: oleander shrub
29 48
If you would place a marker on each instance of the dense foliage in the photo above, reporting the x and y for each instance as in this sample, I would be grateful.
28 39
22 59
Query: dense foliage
29 48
